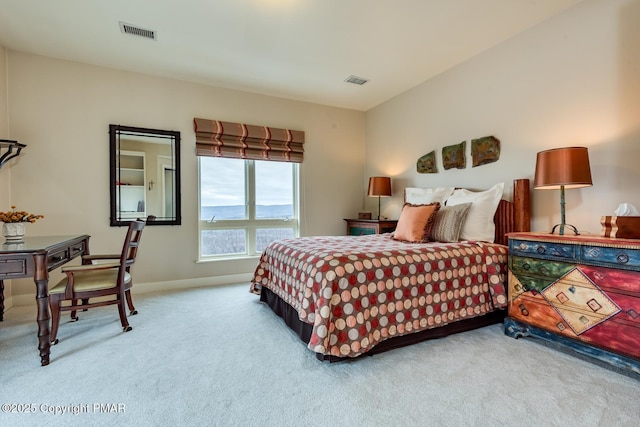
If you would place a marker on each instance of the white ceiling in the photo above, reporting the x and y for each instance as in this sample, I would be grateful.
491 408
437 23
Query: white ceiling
296 49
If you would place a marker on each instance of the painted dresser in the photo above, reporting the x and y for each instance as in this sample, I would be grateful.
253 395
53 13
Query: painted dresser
582 292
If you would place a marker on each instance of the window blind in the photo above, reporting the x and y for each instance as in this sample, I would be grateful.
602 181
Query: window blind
216 138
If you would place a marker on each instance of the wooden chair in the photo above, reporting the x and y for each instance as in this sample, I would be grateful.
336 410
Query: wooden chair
109 281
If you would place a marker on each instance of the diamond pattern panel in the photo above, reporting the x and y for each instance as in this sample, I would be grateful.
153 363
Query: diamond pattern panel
579 301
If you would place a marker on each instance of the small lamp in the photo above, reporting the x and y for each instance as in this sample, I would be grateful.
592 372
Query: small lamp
562 168
379 186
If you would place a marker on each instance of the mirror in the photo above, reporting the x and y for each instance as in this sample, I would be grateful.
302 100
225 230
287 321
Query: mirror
144 175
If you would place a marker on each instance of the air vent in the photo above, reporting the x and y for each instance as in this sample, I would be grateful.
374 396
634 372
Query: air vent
137 31
356 80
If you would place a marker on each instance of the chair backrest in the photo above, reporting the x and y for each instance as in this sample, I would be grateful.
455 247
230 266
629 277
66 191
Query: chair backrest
131 244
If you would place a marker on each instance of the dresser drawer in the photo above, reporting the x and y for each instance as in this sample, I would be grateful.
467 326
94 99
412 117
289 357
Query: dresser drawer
623 258
77 249
58 258
14 268
360 231
359 227
62 256
537 274
544 250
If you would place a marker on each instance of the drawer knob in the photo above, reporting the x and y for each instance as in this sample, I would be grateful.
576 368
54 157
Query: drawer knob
594 252
622 258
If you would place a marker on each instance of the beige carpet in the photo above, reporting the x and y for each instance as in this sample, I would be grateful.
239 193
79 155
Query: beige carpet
216 356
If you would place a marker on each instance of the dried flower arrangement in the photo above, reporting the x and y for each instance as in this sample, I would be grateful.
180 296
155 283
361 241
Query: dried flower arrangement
18 216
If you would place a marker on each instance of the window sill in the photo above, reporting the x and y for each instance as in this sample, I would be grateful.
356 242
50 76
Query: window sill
228 258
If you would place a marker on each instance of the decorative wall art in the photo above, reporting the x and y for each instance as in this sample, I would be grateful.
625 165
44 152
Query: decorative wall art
485 150
453 156
427 163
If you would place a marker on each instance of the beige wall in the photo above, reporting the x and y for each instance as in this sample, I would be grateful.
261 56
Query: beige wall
5 195
62 111
4 130
570 81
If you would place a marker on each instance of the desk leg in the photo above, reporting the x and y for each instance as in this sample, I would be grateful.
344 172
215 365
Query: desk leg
1 300
41 277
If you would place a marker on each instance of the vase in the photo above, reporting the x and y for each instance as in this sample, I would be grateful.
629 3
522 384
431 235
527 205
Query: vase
13 231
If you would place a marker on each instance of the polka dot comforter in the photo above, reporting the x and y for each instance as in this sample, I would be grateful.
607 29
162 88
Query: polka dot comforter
357 291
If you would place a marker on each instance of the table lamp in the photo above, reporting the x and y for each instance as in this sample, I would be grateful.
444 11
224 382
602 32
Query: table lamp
562 168
379 186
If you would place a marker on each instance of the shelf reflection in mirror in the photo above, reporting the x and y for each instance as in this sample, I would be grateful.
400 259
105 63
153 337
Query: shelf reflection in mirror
144 175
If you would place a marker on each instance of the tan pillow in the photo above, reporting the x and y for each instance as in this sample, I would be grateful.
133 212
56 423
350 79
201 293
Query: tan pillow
415 222
448 223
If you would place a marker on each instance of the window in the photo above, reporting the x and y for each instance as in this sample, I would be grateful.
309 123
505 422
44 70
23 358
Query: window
245 205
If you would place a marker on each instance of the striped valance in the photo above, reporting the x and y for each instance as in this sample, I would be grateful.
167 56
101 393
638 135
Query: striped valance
239 141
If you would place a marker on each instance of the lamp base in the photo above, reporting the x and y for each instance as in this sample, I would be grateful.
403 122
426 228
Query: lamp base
562 227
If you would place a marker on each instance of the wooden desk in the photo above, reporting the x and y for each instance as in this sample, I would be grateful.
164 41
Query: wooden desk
36 257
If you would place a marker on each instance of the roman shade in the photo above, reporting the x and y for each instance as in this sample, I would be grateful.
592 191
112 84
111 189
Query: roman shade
215 138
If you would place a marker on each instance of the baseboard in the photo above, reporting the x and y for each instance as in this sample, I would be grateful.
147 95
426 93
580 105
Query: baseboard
200 282
148 287
8 301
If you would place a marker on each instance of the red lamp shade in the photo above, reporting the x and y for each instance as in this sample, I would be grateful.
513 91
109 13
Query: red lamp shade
568 167
379 186
562 168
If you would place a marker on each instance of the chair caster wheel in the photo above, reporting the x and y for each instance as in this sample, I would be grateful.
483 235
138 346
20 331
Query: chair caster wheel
55 342
127 329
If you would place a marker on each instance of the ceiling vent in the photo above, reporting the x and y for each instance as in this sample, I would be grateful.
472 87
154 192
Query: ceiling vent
137 31
356 80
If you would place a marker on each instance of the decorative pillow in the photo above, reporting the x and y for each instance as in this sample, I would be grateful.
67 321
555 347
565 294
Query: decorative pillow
415 222
425 196
448 223
479 224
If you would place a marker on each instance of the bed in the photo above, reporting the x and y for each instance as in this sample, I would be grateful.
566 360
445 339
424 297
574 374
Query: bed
348 296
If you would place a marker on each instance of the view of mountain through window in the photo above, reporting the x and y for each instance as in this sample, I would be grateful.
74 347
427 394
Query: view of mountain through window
245 204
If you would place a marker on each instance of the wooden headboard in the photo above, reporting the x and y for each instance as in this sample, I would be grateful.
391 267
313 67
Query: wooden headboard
513 216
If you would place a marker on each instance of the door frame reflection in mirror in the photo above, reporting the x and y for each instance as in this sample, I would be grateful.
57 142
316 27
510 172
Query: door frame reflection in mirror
140 178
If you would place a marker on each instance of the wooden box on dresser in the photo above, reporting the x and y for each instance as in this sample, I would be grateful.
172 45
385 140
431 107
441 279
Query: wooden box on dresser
582 292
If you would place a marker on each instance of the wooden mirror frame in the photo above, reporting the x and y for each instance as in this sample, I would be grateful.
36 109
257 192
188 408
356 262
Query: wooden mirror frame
115 180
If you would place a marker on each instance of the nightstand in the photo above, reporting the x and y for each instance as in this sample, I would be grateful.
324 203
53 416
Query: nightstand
358 227
580 292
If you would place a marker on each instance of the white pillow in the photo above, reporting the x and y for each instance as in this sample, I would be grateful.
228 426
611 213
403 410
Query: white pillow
479 224
426 196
